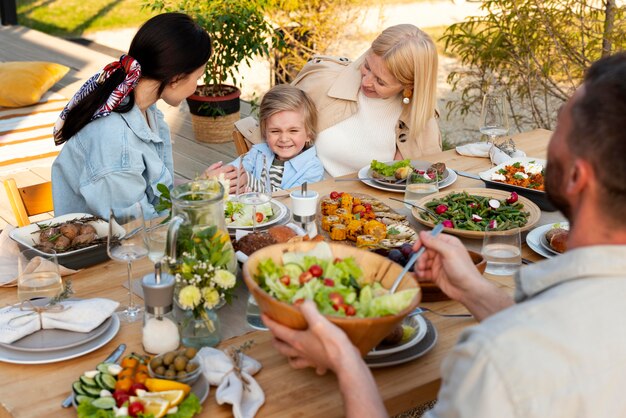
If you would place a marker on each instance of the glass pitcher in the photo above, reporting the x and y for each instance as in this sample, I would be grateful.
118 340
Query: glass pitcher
198 208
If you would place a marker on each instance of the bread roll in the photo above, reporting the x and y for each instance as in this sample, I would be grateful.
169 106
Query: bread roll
281 233
558 240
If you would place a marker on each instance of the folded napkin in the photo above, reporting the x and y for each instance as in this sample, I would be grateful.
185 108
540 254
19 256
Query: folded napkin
9 253
18 321
235 384
486 149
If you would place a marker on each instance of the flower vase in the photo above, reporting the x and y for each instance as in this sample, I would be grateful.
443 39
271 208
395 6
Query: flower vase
200 332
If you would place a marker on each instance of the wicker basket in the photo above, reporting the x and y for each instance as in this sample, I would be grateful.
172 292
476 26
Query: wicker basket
215 130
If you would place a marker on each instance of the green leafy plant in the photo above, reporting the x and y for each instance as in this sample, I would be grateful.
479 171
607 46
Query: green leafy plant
239 31
534 51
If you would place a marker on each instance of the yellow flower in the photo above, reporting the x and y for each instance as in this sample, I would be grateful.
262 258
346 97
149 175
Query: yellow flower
211 297
189 297
224 279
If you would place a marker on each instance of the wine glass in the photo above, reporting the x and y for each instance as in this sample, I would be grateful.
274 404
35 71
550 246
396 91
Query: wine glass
126 242
493 117
258 190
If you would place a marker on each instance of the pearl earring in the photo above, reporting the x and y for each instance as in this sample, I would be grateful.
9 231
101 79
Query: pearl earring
407 93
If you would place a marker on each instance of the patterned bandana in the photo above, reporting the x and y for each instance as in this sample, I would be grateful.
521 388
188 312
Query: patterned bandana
133 72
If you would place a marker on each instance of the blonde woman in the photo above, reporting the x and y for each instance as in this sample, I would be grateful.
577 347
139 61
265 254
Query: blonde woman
381 106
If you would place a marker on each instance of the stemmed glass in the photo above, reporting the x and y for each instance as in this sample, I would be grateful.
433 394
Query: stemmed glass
494 121
126 242
258 191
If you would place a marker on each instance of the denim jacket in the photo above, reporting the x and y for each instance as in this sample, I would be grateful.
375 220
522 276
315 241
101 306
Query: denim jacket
112 163
304 167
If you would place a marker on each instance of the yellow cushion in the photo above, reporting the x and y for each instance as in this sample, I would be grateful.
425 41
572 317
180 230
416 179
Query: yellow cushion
23 83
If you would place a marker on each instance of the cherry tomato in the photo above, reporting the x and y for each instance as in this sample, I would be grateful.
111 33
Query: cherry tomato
316 270
334 195
329 282
337 260
135 387
124 383
305 277
120 397
259 217
349 310
129 362
141 377
336 299
135 408
298 301
367 207
285 280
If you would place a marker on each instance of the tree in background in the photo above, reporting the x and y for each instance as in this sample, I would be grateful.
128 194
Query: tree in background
535 51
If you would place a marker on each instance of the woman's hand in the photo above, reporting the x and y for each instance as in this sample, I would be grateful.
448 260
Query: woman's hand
228 171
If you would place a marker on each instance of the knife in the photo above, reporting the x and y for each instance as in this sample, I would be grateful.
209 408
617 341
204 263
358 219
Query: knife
115 355
469 175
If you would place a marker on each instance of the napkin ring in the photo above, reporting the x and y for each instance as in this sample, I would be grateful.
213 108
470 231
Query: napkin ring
27 305
235 358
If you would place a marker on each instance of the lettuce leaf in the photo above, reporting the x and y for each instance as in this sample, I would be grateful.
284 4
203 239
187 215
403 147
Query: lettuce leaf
388 169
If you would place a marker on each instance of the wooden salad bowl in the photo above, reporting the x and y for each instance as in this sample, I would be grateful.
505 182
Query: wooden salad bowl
364 333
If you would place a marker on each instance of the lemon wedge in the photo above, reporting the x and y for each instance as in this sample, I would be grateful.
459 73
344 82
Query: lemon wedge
156 406
174 397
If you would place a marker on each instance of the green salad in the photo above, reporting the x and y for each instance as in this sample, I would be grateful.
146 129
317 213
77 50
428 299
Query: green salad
388 169
336 285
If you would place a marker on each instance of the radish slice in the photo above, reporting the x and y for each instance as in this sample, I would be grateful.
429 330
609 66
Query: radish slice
494 204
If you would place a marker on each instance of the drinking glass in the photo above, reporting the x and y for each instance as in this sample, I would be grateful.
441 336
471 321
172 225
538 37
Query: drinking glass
420 183
502 251
493 117
258 190
156 238
38 275
253 314
126 242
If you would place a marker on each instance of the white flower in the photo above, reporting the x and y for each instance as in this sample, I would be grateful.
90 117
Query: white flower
224 279
189 297
211 297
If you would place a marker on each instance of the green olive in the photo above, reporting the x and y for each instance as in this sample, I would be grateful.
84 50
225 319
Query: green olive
170 374
160 370
168 358
191 367
190 352
181 374
180 363
156 362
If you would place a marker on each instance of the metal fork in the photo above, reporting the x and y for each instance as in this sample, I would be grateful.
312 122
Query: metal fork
420 310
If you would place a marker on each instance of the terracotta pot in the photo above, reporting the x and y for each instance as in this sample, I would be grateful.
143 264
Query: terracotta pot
365 333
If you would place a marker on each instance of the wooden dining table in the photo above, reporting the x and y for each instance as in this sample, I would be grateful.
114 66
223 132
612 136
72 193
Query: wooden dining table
37 390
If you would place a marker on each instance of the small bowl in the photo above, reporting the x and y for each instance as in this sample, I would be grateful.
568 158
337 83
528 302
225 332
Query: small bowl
364 333
189 379
432 292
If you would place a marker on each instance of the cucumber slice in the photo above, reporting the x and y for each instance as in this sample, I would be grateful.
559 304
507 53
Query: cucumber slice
104 367
293 270
98 379
91 391
78 388
83 399
88 381
104 403
107 381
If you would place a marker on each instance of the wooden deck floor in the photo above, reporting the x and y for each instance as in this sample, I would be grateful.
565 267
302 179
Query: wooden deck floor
23 44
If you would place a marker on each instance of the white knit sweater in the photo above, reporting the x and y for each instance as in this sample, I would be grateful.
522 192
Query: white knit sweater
367 135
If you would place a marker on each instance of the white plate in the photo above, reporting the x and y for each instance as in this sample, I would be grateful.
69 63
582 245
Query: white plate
364 175
411 353
416 322
46 340
44 357
281 213
534 237
26 237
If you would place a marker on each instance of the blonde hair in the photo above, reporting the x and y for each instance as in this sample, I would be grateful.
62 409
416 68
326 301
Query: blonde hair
285 97
411 57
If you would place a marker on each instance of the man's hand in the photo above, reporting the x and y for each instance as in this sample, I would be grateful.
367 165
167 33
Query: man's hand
447 264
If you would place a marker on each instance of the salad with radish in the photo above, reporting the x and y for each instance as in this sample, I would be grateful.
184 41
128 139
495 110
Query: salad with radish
336 285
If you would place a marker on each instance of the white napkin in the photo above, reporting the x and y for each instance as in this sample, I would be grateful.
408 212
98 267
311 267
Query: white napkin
218 369
9 253
485 149
78 315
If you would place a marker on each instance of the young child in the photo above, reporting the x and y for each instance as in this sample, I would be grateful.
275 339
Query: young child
288 119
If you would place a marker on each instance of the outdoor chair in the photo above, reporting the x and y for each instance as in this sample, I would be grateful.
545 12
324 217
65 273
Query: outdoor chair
29 201
242 145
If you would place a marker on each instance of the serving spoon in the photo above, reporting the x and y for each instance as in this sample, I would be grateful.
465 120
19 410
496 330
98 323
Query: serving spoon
436 230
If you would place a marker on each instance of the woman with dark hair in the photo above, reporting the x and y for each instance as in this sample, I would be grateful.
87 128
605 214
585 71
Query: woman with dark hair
118 145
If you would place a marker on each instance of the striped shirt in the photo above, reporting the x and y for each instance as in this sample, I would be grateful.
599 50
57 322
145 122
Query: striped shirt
275 177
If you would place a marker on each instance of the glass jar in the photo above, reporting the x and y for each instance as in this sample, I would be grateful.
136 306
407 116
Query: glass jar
200 332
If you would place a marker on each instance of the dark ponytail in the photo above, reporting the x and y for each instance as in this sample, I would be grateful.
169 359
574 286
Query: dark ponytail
166 46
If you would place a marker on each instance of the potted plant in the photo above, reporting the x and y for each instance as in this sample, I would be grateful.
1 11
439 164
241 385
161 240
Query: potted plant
239 31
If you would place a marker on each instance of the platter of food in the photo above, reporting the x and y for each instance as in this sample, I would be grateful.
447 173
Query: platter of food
467 212
549 240
364 221
391 176
239 216
522 175
79 239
